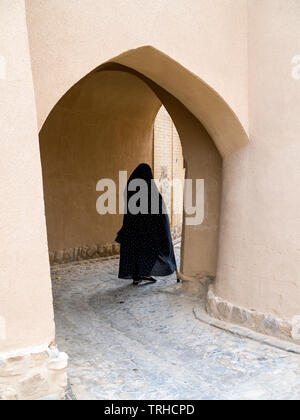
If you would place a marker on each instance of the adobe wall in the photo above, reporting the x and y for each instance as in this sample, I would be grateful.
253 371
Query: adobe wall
26 309
259 242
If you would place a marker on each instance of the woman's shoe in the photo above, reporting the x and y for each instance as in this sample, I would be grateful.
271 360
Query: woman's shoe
152 279
136 282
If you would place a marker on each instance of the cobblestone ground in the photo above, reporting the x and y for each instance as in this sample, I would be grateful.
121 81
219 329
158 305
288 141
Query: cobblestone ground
144 342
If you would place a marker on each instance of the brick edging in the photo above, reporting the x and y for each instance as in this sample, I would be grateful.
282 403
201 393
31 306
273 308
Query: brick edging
83 253
262 323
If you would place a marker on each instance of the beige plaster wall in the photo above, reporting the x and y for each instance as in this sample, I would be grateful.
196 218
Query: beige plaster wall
259 265
102 126
26 314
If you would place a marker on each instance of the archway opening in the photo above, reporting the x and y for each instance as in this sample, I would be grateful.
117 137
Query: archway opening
206 125
105 124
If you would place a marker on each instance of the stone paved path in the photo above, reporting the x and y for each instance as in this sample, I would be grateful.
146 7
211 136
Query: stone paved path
144 342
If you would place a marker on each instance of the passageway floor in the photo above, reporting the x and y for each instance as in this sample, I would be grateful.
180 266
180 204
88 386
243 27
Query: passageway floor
144 342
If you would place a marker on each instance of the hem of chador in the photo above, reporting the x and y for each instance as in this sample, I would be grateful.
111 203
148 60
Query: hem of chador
162 267
152 274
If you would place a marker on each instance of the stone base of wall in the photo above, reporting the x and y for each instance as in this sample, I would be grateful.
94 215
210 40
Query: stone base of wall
33 374
257 321
83 253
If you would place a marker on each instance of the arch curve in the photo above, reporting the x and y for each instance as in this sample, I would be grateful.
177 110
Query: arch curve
204 102
195 94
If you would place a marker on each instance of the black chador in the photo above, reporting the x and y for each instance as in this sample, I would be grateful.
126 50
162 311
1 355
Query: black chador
145 237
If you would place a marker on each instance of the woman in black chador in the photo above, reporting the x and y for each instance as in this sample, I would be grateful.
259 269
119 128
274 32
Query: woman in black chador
145 238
